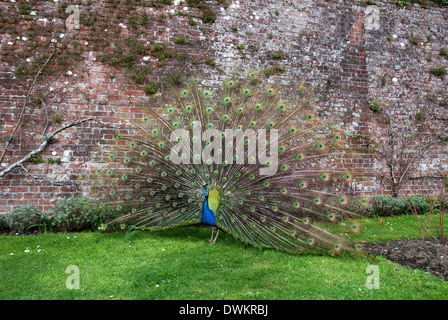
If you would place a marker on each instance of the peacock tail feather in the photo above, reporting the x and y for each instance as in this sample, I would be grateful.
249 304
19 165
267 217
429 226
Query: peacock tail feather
271 165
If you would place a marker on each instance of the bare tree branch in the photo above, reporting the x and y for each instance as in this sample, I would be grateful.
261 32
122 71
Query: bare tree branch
405 146
25 103
44 144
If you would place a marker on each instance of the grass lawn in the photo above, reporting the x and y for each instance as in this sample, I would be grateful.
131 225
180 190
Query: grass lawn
180 264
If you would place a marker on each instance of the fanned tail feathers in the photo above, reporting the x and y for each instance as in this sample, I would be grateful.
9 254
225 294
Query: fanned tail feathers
273 183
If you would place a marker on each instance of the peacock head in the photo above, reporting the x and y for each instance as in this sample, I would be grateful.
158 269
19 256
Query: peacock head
205 192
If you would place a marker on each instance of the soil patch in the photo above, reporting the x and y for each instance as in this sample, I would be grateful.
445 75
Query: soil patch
425 255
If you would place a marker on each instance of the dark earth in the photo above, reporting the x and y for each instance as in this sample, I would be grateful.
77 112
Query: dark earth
427 255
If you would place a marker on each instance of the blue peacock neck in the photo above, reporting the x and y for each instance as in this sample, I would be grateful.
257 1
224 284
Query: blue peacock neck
208 216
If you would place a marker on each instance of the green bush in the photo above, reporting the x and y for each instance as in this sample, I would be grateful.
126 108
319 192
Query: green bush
77 214
23 219
3 225
421 204
67 215
386 205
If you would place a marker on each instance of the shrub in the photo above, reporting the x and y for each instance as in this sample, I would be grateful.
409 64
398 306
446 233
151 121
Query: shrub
421 203
278 55
386 205
77 214
151 88
23 219
3 225
439 71
181 41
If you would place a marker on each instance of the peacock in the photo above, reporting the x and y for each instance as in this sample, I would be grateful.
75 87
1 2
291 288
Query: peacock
250 157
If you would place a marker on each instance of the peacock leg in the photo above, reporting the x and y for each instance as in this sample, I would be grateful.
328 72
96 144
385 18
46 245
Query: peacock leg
211 238
217 232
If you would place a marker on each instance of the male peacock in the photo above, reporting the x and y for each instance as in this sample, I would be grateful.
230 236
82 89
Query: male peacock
253 160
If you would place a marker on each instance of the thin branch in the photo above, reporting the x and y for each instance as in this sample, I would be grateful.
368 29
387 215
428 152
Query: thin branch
419 154
8 142
41 177
43 145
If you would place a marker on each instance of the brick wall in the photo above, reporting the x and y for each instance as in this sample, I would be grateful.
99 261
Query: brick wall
359 53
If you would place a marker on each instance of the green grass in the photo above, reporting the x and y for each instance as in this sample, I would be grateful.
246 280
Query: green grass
180 264
392 228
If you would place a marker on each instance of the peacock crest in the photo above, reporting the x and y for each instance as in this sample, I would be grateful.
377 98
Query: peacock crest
253 159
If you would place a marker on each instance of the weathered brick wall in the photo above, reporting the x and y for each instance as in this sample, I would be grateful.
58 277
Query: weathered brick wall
359 53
